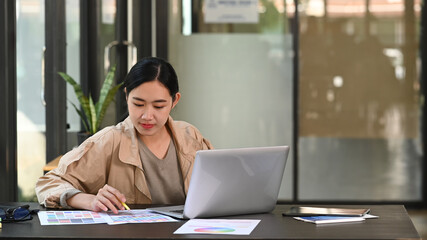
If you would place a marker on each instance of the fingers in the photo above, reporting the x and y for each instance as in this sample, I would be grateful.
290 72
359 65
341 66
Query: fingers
119 196
105 204
109 198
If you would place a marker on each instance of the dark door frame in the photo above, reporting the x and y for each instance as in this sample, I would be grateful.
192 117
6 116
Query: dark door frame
8 142
55 86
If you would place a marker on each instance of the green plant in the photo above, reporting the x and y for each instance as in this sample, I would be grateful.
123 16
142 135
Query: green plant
93 113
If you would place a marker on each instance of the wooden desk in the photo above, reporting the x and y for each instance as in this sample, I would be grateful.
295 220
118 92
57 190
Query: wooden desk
51 165
393 223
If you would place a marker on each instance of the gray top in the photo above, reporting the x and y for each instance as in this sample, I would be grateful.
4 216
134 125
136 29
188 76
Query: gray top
164 178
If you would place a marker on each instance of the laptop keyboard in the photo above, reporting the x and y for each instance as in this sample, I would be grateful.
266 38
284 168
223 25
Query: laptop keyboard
178 211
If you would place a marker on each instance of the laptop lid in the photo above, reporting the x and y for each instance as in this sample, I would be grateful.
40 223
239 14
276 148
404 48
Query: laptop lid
235 181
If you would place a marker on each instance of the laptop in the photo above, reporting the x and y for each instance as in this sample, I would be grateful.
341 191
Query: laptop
229 182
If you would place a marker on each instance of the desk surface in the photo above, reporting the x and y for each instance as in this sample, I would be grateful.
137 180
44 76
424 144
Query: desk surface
393 223
52 164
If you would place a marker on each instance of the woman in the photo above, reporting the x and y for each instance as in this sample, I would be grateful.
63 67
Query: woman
146 159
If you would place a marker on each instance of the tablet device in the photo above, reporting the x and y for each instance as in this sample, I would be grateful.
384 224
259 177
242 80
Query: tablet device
326 211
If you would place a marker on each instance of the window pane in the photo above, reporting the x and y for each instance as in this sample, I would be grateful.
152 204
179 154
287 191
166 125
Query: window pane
237 85
73 67
73 59
359 101
31 111
107 32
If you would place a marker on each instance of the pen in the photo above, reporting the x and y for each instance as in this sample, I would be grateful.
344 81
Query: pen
124 205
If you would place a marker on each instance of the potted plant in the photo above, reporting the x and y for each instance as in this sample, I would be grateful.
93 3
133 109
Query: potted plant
93 113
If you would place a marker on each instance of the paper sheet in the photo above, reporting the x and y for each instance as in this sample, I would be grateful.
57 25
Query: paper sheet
218 226
137 216
90 217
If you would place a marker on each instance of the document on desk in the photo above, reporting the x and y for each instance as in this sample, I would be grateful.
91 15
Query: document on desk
218 226
89 217
136 216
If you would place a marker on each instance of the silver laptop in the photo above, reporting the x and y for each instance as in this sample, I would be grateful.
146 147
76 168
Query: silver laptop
228 182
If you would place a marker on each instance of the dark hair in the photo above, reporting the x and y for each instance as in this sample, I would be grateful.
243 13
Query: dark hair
150 69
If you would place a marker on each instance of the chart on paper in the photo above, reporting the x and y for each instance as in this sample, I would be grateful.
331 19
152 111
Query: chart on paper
137 216
70 217
90 217
218 226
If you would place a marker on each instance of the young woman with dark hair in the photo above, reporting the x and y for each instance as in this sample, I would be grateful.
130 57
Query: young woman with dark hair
146 159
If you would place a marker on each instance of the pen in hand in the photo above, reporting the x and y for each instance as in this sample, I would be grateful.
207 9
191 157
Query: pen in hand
124 205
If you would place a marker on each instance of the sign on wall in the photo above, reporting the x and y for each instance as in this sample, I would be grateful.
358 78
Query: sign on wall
231 11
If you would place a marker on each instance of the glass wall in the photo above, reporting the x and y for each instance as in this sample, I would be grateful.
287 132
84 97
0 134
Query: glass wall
359 113
107 38
359 101
31 128
73 67
235 78
106 19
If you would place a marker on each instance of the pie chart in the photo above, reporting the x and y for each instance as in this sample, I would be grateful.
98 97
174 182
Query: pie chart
214 230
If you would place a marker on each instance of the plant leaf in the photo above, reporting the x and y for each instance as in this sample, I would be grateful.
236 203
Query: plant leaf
84 101
94 112
92 116
82 117
105 89
104 105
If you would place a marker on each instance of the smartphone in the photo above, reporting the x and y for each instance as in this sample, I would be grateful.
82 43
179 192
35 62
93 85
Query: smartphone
326 211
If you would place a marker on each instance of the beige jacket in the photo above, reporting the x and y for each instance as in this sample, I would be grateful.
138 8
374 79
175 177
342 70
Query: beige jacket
111 157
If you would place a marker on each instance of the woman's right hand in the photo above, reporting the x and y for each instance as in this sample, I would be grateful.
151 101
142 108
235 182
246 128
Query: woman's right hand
107 198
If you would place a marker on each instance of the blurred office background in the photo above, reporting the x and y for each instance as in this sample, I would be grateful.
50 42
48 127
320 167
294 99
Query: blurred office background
340 81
